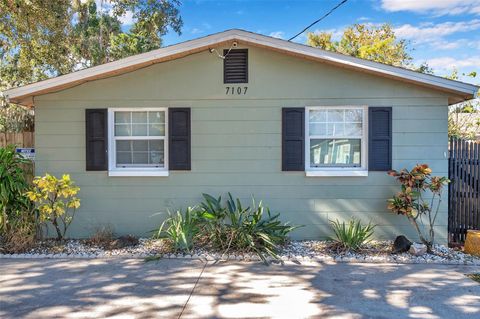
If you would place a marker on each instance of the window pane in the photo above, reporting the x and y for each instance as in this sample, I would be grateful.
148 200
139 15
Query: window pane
140 145
139 117
335 116
335 129
157 152
353 115
156 129
124 146
140 157
335 152
124 158
155 145
318 129
157 158
318 116
353 129
139 129
156 117
123 130
122 117
140 153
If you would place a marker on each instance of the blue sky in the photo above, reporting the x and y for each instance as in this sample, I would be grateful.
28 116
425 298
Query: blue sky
444 33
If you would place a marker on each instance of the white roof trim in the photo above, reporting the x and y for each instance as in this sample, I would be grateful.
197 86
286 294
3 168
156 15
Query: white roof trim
26 92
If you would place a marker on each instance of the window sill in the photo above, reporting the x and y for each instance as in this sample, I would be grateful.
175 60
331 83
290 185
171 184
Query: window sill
145 173
336 173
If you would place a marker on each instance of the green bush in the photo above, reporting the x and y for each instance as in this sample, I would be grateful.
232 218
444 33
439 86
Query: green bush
180 229
18 222
226 227
353 235
244 229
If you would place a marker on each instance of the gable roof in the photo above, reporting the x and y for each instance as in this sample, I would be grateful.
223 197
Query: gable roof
458 91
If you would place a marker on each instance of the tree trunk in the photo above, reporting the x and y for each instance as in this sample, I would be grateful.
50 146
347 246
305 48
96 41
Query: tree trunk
427 243
57 228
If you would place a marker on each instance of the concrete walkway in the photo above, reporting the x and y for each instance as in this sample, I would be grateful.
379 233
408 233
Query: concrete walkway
194 289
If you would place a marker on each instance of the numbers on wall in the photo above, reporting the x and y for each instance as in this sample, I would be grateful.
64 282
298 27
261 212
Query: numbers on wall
236 90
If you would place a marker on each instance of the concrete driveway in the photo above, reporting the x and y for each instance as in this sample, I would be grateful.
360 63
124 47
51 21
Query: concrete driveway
194 289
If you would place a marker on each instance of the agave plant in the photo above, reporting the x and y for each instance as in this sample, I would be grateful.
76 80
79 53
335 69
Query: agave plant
248 229
351 235
181 229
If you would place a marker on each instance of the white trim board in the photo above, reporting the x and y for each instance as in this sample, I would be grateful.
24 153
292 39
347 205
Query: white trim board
24 95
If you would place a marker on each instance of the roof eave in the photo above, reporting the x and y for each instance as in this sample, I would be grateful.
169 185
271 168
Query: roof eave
23 95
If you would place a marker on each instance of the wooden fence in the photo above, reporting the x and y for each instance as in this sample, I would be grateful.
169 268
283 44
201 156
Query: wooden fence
23 139
464 190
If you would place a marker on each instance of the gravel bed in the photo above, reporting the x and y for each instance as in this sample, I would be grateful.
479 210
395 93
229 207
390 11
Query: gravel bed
314 250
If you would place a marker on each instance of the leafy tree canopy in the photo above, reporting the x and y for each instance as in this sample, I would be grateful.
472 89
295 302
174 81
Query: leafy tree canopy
44 38
40 39
373 43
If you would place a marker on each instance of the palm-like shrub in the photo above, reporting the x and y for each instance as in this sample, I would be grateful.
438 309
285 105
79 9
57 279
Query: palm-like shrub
181 229
351 235
226 227
245 229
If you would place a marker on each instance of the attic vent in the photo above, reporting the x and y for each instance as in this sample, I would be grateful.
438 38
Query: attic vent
235 66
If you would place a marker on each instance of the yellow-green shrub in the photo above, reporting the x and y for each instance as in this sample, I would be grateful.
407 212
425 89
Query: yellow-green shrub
56 200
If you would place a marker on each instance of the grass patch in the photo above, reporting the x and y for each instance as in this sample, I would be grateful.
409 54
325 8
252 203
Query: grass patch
475 277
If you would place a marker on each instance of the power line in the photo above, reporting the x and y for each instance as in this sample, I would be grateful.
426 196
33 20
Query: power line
317 21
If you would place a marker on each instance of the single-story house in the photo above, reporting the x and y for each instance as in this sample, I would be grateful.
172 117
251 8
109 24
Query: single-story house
310 132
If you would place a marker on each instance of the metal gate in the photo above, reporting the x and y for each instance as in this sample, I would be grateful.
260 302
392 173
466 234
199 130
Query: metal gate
463 191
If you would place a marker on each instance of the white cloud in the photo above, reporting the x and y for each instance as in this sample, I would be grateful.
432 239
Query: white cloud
444 66
277 34
435 7
200 29
196 31
435 34
448 63
434 31
363 19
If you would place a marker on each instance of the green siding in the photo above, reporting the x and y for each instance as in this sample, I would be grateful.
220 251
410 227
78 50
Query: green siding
236 142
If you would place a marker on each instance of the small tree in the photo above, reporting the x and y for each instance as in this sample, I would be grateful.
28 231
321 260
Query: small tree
56 201
412 203
375 43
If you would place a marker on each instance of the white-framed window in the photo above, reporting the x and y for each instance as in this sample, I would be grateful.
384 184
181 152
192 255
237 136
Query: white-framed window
336 140
138 142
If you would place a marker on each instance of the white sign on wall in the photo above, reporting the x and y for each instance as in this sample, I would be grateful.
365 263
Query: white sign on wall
26 152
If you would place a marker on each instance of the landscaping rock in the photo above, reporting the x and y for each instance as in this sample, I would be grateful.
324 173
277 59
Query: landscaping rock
299 251
418 249
401 245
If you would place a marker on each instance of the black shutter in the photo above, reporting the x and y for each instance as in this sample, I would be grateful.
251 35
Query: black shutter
235 66
379 138
293 139
96 132
179 139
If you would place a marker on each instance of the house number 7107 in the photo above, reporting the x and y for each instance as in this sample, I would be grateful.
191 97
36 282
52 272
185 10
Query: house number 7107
236 90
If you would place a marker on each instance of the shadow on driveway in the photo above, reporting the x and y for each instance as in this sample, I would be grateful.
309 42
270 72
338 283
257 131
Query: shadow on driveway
169 288
98 288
